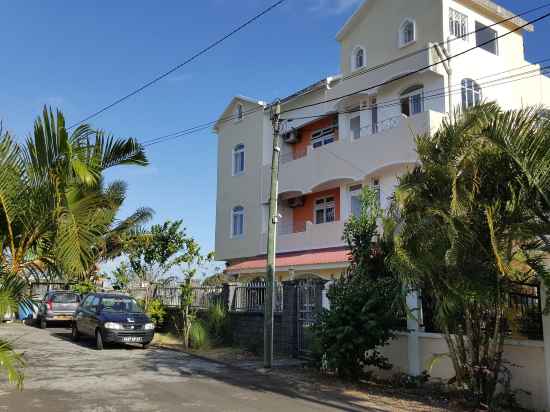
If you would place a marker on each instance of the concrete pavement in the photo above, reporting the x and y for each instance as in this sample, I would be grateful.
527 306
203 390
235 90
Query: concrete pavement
64 376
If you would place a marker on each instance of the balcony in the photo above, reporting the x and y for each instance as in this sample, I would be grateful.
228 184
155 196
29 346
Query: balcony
390 142
309 237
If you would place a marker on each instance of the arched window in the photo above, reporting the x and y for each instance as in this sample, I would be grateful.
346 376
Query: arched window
471 93
358 58
407 32
239 113
412 100
237 221
238 159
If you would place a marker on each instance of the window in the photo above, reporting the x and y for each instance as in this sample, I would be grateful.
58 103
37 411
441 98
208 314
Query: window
237 222
355 199
323 137
325 210
486 38
355 127
358 58
471 93
412 100
239 113
458 24
238 160
407 33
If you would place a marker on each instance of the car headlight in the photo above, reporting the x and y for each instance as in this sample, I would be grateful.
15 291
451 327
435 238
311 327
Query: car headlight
149 326
113 325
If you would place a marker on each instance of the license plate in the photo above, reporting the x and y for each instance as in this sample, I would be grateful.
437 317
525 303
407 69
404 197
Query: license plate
131 339
63 317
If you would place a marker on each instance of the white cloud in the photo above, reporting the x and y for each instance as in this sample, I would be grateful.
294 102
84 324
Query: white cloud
333 6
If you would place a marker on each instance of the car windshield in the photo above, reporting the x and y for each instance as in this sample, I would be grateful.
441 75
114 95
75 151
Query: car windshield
65 298
120 304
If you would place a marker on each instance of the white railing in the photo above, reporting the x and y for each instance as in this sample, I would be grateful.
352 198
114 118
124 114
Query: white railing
381 126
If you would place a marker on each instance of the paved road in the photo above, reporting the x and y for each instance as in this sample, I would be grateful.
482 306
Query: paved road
63 376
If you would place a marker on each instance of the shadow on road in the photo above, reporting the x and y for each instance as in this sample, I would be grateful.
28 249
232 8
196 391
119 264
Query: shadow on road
159 360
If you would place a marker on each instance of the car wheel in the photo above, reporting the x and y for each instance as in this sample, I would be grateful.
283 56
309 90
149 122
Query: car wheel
75 335
98 340
145 345
43 323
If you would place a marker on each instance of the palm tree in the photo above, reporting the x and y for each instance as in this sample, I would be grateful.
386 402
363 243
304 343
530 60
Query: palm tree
12 295
473 219
53 207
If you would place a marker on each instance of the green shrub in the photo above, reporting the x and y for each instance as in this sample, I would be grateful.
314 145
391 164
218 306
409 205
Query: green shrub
198 335
85 287
217 323
156 311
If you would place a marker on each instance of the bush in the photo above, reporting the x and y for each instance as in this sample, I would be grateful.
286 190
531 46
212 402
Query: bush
198 335
83 288
366 303
217 323
156 311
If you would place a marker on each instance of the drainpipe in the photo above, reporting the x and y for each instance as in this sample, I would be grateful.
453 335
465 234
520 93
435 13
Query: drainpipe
444 55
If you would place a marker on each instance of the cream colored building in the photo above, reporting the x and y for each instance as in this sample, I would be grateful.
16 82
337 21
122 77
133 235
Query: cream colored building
392 86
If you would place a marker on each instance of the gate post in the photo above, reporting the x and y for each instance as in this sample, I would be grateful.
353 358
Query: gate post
228 295
290 317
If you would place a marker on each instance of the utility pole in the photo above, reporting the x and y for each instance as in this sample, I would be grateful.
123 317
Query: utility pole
272 238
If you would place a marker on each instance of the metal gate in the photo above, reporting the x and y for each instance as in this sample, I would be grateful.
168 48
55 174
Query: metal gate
308 301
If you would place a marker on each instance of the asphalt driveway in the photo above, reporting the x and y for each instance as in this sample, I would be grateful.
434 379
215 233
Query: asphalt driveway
64 376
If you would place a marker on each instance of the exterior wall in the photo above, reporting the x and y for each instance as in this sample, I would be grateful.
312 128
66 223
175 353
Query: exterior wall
242 190
524 358
378 31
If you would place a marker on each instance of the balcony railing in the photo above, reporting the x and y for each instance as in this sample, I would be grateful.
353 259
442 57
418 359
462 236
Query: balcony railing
381 126
288 228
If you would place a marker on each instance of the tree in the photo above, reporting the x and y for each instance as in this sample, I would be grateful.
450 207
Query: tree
12 294
54 209
366 303
473 219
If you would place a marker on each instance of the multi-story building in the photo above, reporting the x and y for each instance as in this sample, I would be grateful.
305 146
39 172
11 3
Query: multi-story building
358 127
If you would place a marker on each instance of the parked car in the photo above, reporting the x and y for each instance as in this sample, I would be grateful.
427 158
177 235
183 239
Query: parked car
112 317
57 305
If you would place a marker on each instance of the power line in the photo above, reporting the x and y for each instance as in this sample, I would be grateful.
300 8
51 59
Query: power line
403 76
204 126
179 66
397 101
443 43
198 128
355 166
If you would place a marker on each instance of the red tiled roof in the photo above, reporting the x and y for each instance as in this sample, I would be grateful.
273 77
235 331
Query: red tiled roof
294 259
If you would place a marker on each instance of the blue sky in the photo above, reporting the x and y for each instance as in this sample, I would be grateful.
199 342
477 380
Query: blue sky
80 56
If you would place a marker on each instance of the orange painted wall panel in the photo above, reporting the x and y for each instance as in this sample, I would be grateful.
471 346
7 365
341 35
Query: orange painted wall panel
306 213
300 148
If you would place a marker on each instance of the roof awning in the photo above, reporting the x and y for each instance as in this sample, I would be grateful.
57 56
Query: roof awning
308 259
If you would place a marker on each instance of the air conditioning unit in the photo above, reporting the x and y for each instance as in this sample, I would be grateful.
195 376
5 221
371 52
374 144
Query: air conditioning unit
291 137
296 202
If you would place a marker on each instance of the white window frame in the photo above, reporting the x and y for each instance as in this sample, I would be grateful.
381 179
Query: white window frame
323 137
239 113
487 45
355 190
238 150
328 202
354 52
472 93
237 211
458 24
418 90
401 34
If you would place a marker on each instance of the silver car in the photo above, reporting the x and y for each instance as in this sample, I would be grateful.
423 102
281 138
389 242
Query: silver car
57 305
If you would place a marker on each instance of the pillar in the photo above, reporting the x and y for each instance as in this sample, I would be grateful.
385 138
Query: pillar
546 335
413 340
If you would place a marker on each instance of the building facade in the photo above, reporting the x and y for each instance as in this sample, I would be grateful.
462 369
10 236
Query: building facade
357 128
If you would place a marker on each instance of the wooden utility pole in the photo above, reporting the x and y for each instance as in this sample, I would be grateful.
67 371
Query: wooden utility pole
272 239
